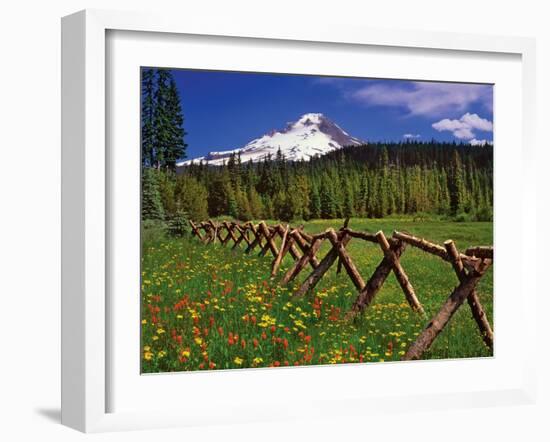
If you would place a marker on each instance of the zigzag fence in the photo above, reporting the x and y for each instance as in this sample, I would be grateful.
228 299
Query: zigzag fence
281 240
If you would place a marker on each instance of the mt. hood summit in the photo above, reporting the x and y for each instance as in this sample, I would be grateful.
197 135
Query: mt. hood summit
312 134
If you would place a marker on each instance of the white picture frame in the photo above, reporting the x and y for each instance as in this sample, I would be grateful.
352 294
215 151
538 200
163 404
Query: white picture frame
85 211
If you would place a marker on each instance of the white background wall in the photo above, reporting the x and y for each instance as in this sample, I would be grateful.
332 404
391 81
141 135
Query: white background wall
30 213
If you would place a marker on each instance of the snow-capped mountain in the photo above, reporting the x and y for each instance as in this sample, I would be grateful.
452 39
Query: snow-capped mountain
312 134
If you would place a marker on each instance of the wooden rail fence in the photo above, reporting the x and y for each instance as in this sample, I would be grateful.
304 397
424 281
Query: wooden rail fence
281 240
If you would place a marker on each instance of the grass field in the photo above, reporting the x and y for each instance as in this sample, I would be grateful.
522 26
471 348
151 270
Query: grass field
207 307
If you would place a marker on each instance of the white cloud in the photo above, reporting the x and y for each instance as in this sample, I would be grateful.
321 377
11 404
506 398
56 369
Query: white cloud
464 127
476 122
476 142
425 98
409 136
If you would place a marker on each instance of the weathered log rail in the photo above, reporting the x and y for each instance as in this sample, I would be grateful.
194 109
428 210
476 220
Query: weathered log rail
282 240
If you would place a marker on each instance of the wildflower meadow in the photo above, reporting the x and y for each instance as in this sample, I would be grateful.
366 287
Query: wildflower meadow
207 307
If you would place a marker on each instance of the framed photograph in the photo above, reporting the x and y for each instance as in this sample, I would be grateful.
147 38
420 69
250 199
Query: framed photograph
265 223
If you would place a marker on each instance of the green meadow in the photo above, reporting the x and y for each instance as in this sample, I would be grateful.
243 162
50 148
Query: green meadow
210 307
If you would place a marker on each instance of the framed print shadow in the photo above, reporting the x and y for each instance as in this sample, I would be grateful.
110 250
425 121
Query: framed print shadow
319 282
256 209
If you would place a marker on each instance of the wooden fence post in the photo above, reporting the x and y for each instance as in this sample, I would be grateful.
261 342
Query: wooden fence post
304 245
292 249
230 232
195 231
339 268
469 268
215 227
400 274
481 252
209 232
345 259
299 265
312 280
269 236
473 299
257 241
285 247
442 318
241 237
374 283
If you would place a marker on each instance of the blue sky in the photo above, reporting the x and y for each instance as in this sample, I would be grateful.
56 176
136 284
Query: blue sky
226 110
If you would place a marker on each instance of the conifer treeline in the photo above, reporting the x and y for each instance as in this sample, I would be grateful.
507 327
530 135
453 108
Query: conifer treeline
162 134
373 180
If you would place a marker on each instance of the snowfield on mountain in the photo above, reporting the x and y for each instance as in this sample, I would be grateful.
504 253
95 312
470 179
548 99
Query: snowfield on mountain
311 135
